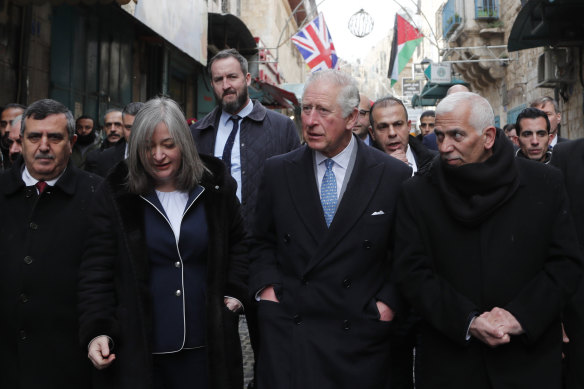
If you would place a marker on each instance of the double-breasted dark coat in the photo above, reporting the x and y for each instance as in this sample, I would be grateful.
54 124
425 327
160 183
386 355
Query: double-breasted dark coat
41 244
115 297
523 257
325 332
569 158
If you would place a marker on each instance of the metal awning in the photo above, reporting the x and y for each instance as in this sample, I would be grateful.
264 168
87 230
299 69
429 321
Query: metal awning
70 2
272 96
432 92
228 31
548 23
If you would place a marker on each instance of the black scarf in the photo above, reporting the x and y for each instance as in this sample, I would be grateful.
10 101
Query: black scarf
473 191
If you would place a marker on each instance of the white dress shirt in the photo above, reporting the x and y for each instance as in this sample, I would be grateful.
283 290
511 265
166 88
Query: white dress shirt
225 127
340 165
30 180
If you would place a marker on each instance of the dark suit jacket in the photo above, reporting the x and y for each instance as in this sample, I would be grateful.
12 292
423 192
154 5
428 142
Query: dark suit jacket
41 243
422 154
569 157
325 331
101 162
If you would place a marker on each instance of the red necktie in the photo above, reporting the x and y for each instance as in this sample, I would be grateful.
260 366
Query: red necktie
41 185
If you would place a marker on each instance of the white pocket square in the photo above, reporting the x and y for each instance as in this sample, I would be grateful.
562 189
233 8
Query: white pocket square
377 213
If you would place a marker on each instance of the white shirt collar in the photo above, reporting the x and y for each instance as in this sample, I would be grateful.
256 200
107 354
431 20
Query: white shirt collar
225 116
411 159
341 159
30 180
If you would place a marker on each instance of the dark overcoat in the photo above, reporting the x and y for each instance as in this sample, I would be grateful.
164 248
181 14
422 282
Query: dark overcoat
325 332
41 244
115 297
569 157
523 257
101 162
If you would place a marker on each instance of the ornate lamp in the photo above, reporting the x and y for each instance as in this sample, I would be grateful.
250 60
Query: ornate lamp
361 24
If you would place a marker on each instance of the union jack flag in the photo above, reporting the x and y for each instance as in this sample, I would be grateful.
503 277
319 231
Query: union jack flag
316 46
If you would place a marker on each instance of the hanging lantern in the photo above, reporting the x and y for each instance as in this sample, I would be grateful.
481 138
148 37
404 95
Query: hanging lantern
361 24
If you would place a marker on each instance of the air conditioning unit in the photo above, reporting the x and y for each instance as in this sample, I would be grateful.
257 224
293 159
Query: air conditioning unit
553 68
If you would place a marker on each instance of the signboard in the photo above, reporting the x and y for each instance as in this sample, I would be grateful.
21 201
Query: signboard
410 87
181 22
441 73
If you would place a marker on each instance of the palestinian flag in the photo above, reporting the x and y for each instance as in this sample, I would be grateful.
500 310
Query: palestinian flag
405 40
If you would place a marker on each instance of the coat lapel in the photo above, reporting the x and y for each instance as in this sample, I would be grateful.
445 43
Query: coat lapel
302 185
360 189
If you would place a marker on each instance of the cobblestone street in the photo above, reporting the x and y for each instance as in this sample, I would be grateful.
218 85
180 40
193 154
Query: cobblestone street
246 350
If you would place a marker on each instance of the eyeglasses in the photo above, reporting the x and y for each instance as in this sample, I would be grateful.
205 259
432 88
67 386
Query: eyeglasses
363 112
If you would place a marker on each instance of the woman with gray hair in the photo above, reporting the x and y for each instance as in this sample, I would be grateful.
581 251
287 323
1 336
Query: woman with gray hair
164 272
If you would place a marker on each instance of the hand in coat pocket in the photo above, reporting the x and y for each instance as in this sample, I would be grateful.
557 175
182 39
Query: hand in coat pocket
385 312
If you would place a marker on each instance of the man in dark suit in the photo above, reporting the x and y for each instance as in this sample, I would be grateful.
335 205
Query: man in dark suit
44 203
244 144
320 263
569 158
101 162
390 131
552 110
486 254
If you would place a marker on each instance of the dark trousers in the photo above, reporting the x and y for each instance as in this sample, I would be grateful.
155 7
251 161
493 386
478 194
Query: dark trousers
181 370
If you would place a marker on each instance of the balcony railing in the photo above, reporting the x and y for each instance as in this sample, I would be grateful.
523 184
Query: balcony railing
486 9
450 19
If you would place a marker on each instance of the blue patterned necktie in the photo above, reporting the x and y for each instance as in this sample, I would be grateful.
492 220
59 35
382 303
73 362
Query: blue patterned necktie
328 192
226 157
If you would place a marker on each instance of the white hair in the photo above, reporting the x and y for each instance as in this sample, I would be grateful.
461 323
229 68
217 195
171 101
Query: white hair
348 97
481 114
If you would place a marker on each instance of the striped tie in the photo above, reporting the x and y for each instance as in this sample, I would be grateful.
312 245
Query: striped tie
328 192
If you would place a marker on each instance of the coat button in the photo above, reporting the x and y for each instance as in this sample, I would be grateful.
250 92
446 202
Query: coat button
177 264
287 238
346 325
216 187
243 172
242 145
33 226
29 193
22 334
367 244
178 293
297 319
24 298
346 283
28 259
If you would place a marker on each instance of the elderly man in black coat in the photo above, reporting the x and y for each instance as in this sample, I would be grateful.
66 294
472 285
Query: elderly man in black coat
320 262
43 224
487 256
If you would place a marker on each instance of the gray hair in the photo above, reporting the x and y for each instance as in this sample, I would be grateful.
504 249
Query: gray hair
541 101
348 98
155 111
480 115
229 53
40 109
16 120
110 110
132 108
